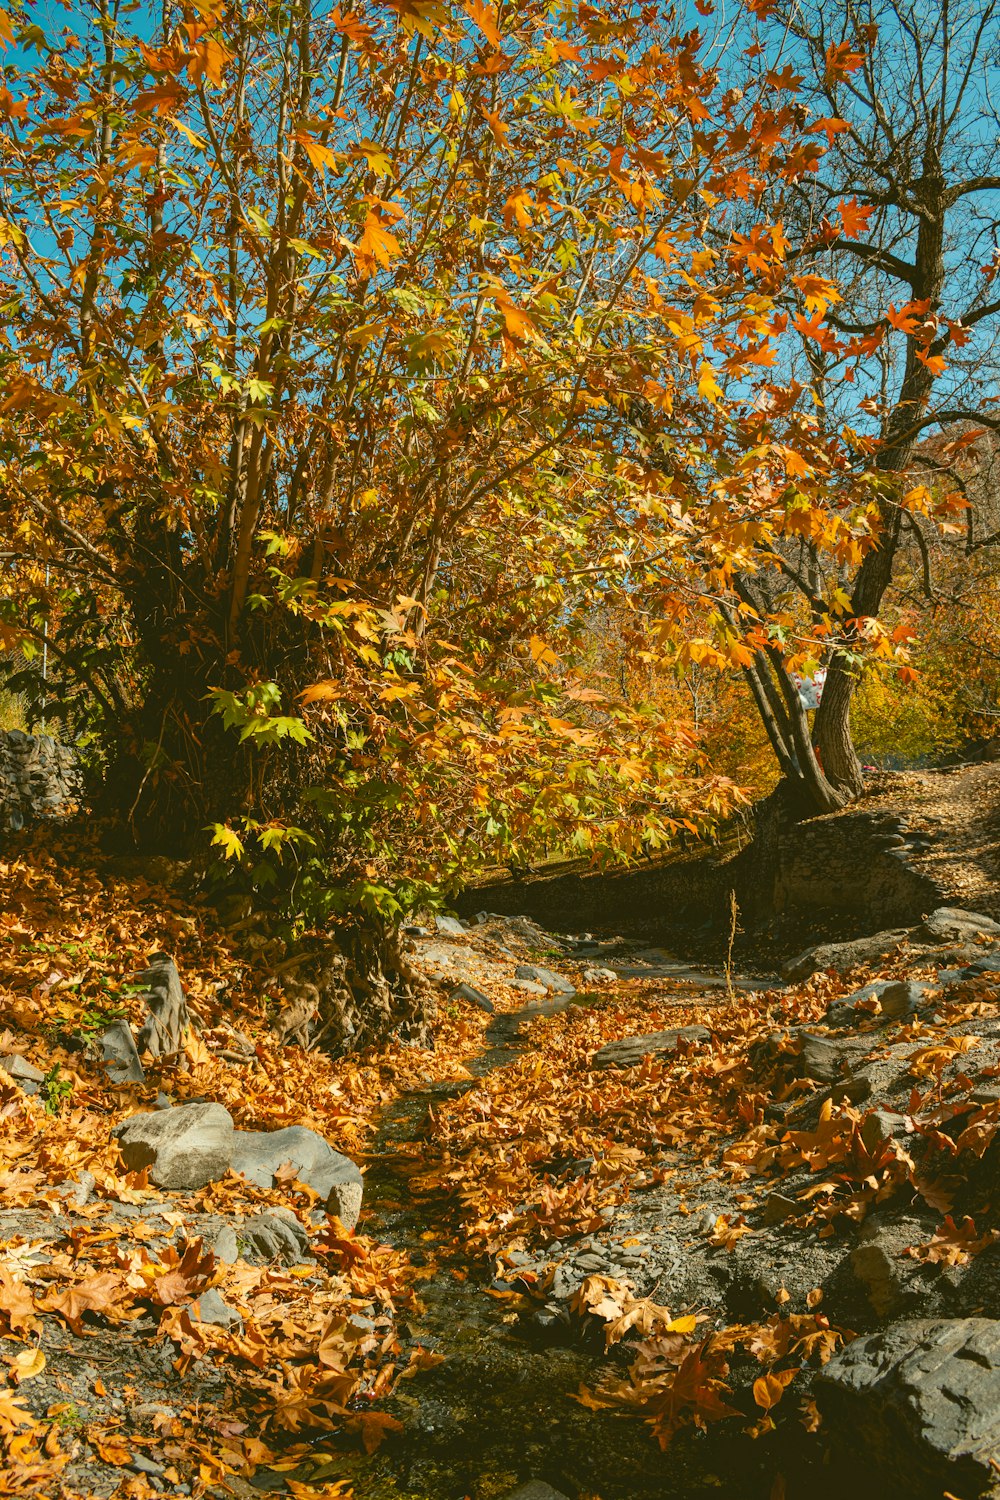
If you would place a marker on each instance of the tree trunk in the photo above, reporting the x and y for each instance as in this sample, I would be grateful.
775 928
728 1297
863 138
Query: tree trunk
833 719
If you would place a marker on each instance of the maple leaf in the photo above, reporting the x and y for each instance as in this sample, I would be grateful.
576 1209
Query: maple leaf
319 155
954 1244
831 127
854 217
840 60
378 245
485 18
100 1293
13 1413
17 1304
190 1275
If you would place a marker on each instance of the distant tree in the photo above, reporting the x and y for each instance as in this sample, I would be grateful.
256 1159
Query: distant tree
903 216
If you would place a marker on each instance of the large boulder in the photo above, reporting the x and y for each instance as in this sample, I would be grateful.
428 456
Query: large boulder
259 1154
187 1146
632 1049
916 1409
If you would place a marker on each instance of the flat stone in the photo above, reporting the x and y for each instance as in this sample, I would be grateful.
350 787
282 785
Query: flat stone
528 987
20 1068
778 1208
79 1193
475 997
950 924
917 1406
210 1308
258 1154
632 1049
188 1146
223 1244
844 956
537 974
28 1078
450 926
599 976
275 1235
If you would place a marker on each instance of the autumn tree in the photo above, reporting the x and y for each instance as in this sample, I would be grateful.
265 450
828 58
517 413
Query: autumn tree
324 339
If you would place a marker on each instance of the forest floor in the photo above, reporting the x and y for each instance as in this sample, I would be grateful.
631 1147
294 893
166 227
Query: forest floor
962 805
615 1274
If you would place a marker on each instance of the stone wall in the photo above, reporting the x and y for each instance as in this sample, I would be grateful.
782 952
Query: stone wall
38 777
854 864
842 875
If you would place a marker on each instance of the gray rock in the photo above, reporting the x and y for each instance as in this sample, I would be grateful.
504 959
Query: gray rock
275 1235
450 926
632 1049
881 1125
777 1209
896 998
38 777
27 1077
224 1245
258 1154
844 956
918 1406
536 974
599 976
162 1034
474 996
119 1055
528 987
142 1465
949 924
79 1193
210 1308
188 1146
901 998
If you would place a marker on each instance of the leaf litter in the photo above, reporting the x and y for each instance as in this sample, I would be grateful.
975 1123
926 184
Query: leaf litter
519 1164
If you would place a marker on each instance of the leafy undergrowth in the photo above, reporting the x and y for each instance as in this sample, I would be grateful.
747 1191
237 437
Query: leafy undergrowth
317 1347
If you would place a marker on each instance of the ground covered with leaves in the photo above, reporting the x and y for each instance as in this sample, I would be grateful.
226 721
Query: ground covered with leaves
550 1243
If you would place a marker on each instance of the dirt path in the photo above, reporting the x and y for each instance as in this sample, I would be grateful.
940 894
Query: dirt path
959 811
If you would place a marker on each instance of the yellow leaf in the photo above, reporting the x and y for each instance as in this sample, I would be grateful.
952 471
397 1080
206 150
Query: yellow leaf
195 140
485 18
378 246
541 653
26 1365
687 1324
768 1389
319 155
708 387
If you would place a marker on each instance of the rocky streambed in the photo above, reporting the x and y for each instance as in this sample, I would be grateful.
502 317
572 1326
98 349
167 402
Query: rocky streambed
676 1232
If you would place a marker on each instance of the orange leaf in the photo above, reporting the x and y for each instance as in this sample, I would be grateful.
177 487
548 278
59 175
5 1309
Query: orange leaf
768 1389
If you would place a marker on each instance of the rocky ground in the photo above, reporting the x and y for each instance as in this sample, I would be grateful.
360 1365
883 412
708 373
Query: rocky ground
628 1229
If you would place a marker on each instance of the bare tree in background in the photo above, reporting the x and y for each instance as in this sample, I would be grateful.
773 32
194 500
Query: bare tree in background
916 161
